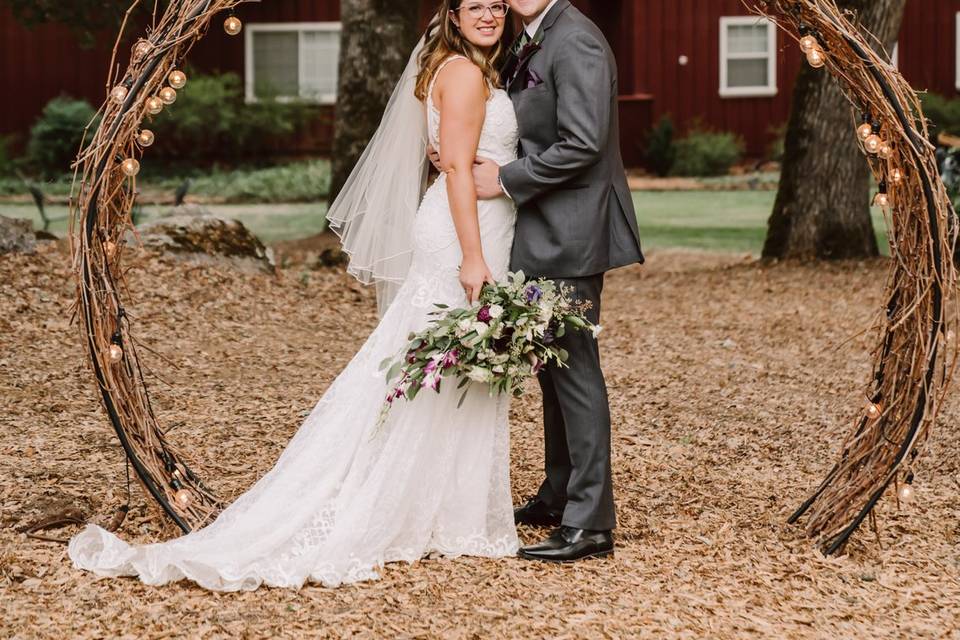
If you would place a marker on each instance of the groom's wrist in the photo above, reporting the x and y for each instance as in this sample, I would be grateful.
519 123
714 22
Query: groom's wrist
502 188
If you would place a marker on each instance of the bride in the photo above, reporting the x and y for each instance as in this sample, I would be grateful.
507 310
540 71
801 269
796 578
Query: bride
347 496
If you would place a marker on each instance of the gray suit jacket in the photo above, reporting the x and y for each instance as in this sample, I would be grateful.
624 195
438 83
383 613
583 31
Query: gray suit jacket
575 213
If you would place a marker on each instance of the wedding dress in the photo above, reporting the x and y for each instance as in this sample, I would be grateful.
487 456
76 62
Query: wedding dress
347 496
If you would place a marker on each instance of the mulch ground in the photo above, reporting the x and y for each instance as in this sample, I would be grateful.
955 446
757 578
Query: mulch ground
731 384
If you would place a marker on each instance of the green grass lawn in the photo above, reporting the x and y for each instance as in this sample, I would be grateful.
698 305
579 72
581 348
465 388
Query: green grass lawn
269 222
734 221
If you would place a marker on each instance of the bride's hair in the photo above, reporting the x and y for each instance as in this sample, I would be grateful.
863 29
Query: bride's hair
443 39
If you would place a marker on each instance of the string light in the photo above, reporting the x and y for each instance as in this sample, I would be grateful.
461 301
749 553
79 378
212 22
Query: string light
906 493
111 248
154 105
178 79
808 43
873 411
183 497
168 95
130 166
816 57
145 138
232 25
864 131
142 48
873 143
896 175
885 151
118 93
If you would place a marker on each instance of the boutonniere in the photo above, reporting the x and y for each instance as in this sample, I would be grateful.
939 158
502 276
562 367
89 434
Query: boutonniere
528 50
523 57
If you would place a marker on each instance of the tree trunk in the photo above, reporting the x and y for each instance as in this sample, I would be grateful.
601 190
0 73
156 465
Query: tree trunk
822 209
376 41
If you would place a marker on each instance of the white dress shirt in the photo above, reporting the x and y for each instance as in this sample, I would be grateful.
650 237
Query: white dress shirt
534 25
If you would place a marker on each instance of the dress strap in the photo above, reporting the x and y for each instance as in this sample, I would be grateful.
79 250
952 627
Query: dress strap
436 74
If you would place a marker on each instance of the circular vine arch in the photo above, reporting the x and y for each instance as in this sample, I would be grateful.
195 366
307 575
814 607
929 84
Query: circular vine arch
913 361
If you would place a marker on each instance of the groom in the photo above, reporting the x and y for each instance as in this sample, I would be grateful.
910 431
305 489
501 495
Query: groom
575 222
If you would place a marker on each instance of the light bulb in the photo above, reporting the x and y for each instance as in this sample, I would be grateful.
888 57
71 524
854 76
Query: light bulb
873 143
906 492
864 131
882 200
111 248
168 95
154 105
885 150
896 176
816 58
119 93
178 79
808 43
183 497
146 138
873 411
131 167
232 25
116 353
142 48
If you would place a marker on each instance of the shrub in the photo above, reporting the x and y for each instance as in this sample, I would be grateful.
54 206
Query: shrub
707 153
943 113
211 120
661 151
6 156
56 136
777 145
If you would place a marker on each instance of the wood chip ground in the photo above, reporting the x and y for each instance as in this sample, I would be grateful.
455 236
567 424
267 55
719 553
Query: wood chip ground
731 385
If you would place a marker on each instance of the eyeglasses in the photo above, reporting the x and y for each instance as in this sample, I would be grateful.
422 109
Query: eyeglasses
498 10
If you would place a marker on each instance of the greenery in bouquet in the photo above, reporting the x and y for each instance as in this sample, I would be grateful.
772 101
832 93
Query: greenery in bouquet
509 336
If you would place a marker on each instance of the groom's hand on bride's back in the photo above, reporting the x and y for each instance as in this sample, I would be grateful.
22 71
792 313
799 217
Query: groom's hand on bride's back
486 175
434 156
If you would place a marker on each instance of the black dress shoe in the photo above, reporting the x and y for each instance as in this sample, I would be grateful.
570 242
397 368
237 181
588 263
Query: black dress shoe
567 544
536 514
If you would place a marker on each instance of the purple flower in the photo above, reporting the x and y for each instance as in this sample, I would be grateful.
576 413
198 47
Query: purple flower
549 336
432 382
534 293
450 359
484 314
431 366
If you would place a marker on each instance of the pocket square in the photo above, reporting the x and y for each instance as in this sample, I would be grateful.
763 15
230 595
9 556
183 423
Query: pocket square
533 79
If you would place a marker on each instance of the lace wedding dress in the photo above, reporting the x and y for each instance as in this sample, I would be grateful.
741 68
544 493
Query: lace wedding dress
346 497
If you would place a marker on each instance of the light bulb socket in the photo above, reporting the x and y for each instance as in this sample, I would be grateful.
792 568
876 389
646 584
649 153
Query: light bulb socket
883 187
176 484
117 338
909 478
876 127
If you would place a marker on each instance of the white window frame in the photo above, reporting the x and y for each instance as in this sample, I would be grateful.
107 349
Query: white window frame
272 27
956 46
747 92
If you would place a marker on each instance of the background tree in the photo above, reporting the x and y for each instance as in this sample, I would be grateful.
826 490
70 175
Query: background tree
822 209
376 41
85 17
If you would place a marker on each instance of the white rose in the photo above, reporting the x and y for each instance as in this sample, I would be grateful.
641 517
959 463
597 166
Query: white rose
495 311
481 328
478 374
464 325
596 330
498 369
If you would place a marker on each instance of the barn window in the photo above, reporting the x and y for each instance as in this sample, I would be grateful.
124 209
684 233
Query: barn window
748 57
289 61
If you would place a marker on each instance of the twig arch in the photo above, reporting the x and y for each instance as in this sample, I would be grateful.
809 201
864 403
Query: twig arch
913 362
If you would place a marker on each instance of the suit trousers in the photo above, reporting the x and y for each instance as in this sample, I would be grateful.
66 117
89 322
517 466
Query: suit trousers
576 423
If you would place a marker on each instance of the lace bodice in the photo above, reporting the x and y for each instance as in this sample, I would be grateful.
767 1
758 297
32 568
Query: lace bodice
500 134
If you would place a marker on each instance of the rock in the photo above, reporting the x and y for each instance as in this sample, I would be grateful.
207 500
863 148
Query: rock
190 210
17 236
208 239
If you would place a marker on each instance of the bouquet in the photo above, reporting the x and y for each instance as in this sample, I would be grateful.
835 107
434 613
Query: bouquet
508 337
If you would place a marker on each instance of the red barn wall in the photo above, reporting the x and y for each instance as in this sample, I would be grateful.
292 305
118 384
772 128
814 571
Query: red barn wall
649 37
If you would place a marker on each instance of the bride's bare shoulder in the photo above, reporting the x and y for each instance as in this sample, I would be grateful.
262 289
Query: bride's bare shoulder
458 75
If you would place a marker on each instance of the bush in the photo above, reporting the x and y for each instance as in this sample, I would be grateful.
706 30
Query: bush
6 156
707 153
211 120
57 134
943 113
661 152
777 145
